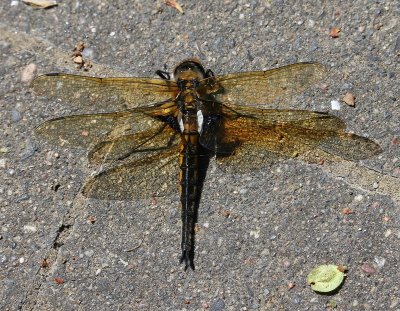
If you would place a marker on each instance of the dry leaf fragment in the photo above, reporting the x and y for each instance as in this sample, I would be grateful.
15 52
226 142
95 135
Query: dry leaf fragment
225 213
368 269
59 280
334 32
41 4
91 220
78 60
78 49
347 211
44 263
77 57
349 99
174 4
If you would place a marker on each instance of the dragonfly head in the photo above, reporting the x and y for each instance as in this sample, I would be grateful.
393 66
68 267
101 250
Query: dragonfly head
190 69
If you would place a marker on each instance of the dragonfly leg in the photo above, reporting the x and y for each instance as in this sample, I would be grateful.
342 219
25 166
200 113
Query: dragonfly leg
163 75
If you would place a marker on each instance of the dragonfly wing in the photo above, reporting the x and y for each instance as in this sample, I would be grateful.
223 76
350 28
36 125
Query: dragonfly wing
84 131
268 135
146 174
242 125
260 88
156 138
349 146
105 94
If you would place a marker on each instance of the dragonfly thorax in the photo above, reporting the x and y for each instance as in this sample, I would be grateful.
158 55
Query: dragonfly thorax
190 117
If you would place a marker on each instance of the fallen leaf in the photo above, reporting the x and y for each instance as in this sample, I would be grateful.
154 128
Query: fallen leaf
225 213
44 263
41 4
324 87
78 60
349 99
91 220
59 280
326 278
77 57
347 211
174 4
368 269
334 32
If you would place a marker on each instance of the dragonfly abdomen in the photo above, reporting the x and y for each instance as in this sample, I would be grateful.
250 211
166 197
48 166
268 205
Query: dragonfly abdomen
188 163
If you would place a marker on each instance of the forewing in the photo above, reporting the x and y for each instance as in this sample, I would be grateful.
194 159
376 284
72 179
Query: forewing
84 131
154 173
105 94
265 87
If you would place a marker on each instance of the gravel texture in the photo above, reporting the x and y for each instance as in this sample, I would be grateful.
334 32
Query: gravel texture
284 219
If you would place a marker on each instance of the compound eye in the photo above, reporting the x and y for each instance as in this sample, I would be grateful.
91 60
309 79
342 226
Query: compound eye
189 69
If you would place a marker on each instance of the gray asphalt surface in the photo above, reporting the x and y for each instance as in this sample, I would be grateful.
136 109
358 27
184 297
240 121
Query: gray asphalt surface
284 219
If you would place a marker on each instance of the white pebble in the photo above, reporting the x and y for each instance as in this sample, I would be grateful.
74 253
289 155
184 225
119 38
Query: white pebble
335 105
358 198
379 261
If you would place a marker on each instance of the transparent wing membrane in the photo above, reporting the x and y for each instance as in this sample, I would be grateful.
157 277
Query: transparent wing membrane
104 94
154 173
84 131
265 87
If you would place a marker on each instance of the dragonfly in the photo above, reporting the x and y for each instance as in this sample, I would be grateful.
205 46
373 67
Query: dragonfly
145 132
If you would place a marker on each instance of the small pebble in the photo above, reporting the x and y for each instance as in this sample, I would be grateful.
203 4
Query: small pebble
30 228
335 105
379 261
28 73
358 198
15 115
388 233
218 305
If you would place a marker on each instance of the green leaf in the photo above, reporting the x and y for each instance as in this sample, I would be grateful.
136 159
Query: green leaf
326 278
